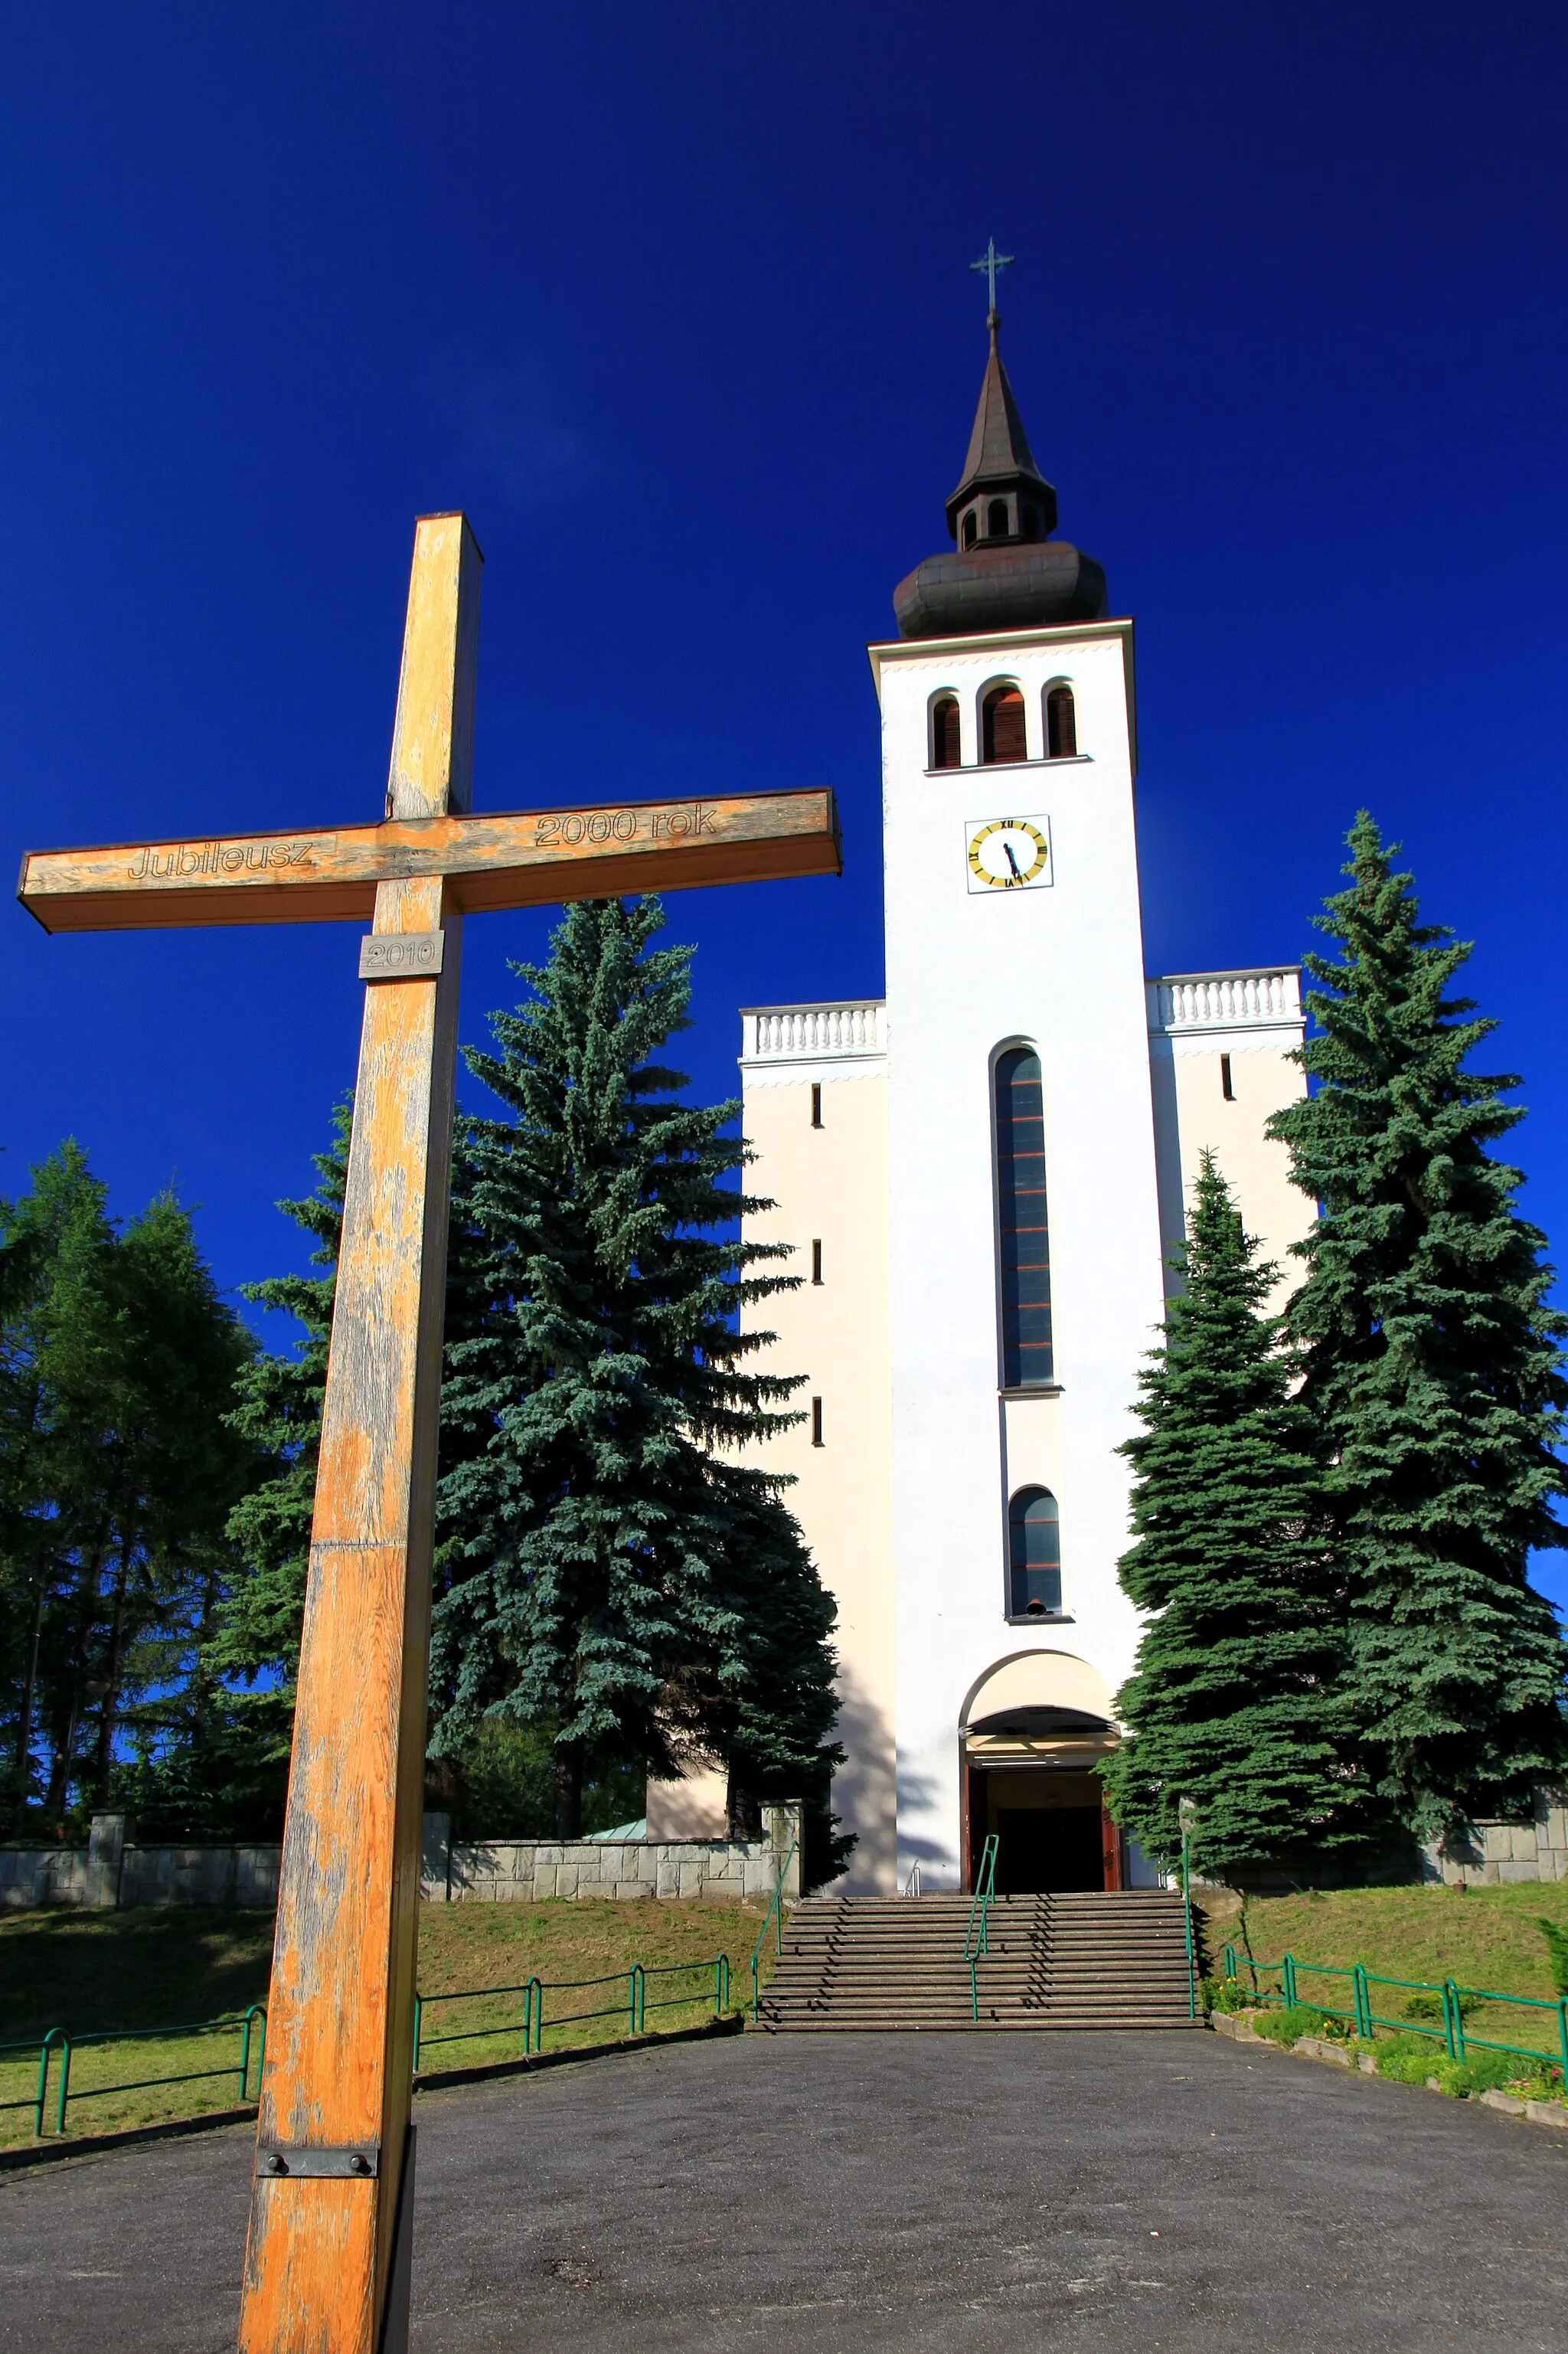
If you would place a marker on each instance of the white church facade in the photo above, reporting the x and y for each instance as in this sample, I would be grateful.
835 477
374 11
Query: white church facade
982 1177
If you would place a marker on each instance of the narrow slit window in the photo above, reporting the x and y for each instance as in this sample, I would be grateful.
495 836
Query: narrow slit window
945 731
1024 1239
1061 724
1034 1555
816 1422
816 1104
1226 1089
816 1262
1002 725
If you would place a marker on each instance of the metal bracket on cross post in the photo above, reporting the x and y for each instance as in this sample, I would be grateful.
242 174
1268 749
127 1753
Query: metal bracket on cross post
318 2161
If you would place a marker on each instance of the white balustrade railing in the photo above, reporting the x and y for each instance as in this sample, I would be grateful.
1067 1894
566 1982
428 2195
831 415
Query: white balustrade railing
791 1034
1269 999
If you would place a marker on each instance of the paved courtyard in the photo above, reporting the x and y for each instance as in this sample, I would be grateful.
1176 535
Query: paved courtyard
1127 2193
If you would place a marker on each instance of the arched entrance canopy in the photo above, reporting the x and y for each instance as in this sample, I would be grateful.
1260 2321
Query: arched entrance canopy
1038 1680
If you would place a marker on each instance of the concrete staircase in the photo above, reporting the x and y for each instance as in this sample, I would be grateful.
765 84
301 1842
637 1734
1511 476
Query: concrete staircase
1054 1962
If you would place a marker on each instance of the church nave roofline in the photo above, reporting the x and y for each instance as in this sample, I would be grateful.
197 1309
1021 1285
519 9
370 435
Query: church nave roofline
846 1031
1250 997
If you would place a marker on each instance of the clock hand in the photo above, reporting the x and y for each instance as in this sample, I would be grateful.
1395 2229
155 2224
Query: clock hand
1013 862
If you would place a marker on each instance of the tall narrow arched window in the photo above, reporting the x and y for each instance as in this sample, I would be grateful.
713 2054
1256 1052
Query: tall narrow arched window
1061 723
996 520
945 731
1023 1237
971 529
1030 524
1002 725
1033 1555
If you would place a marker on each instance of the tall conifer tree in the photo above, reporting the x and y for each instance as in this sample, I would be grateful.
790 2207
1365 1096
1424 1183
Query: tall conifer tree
118 1358
613 1566
255 1648
1433 1363
1231 1703
174 1467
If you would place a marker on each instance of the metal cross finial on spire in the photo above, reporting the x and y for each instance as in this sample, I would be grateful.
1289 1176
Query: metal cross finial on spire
990 261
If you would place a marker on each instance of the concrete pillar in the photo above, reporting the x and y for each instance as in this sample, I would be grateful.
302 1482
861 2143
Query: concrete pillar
105 1854
784 1823
435 1859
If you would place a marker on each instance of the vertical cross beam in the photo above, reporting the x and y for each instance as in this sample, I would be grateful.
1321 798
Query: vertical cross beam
336 2093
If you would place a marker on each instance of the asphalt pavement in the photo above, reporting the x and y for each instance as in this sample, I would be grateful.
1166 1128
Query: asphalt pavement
959 2194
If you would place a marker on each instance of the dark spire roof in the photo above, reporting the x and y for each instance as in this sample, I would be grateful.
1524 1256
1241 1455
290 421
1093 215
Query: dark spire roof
1005 574
998 455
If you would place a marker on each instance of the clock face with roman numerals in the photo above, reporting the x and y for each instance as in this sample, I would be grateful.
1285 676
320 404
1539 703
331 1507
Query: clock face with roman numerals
1007 854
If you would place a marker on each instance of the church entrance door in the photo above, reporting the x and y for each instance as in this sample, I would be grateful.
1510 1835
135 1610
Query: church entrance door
1053 1836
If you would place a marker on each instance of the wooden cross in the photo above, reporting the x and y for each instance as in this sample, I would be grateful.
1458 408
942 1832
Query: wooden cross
327 2263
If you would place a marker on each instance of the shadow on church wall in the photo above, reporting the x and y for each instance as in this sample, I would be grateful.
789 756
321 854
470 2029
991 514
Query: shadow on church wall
865 1792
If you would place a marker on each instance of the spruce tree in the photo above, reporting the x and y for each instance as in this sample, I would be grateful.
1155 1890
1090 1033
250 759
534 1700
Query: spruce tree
1231 1701
1433 1363
254 1651
174 1467
118 1358
611 1568
765 1704
50 1238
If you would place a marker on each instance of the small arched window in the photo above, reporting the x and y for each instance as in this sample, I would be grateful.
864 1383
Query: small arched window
945 731
996 520
1061 724
1033 1555
1030 524
971 528
1002 725
1023 1233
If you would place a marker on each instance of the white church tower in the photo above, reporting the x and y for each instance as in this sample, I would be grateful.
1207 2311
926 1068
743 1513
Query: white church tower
1023 1230
982 1178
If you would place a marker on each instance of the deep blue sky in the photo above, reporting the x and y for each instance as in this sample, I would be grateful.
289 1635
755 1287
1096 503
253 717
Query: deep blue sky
674 303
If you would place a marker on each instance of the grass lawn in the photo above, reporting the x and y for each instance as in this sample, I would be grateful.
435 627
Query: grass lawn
465 1947
1478 1937
167 1967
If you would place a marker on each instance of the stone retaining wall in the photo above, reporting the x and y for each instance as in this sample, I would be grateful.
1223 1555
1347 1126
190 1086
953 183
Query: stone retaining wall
721 1871
1505 1852
110 1873
112 1870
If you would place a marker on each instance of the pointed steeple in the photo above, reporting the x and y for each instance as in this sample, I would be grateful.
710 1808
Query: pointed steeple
1001 465
1006 573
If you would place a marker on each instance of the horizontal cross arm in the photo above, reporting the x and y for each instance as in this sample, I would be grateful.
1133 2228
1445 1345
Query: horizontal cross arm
513 859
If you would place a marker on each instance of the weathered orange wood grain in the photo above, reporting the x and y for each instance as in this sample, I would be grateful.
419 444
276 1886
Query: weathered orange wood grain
512 859
340 2013
338 2073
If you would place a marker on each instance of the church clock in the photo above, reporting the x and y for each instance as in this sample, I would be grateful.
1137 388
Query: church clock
1008 853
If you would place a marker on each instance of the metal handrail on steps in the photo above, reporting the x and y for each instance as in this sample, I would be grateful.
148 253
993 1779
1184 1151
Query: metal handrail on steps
976 1938
775 1913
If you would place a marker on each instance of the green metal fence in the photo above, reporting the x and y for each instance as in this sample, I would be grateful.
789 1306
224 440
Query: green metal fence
633 2006
55 2092
56 2050
1453 2034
